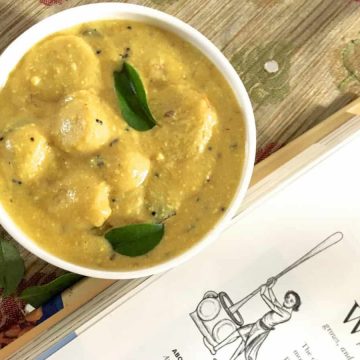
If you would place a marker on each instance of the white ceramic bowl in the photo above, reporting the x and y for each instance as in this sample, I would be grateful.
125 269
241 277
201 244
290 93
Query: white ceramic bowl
105 11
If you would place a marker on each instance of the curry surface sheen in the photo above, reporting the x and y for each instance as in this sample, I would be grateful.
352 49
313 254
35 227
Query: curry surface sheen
71 167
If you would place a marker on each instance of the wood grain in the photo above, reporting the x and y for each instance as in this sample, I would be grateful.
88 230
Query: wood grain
306 37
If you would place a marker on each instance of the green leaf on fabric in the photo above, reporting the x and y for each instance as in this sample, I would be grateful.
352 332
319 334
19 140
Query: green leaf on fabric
11 267
38 295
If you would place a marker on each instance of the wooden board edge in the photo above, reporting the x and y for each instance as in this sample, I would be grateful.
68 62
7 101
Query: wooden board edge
318 132
84 291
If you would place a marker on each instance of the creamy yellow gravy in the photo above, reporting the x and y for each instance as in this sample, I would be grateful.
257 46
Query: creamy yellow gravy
71 167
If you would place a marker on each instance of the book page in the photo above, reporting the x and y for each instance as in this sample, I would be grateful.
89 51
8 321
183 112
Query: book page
282 283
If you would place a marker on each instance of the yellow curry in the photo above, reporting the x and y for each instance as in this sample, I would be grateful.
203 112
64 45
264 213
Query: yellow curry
71 167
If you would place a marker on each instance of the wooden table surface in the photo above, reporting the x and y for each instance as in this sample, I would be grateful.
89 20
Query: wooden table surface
315 44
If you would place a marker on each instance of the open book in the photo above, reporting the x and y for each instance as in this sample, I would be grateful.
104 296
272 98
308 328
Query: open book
281 283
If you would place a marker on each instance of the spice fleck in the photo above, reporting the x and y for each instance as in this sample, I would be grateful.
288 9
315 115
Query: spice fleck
169 113
16 181
114 142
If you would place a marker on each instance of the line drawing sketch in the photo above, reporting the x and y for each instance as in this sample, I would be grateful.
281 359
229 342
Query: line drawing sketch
220 322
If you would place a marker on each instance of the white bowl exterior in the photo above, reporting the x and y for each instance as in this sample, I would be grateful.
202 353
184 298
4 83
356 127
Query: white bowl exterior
110 11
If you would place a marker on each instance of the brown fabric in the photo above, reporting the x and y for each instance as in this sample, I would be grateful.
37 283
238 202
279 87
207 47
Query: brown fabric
13 320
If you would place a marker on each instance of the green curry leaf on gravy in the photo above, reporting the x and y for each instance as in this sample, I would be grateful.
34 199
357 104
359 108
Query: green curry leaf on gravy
38 295
135 240
132 98
11 267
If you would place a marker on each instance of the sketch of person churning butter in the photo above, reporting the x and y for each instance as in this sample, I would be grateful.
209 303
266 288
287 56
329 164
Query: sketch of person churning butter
220 321
253 335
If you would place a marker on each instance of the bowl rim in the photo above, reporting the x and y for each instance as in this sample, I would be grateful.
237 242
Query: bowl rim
112 11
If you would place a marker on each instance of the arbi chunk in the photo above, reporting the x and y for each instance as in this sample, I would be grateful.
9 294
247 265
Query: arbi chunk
62 65
26 152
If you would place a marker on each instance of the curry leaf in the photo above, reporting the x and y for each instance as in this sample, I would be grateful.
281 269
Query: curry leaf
132 99
135 240
38 295
11 267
